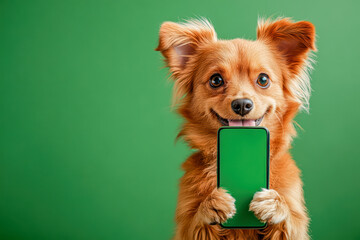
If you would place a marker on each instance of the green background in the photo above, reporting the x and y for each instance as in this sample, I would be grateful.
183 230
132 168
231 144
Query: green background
87 137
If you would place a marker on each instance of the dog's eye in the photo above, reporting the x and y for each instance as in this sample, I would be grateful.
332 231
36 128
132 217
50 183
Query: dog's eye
263 80
216 80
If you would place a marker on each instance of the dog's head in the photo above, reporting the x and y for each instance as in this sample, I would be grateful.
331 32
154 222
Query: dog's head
238 82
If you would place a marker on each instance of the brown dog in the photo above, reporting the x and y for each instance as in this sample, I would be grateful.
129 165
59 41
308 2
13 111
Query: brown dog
239 83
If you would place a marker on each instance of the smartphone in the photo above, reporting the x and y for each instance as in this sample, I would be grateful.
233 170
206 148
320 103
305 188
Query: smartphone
243 170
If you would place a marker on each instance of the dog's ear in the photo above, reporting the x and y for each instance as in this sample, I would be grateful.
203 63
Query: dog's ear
293 40
179 41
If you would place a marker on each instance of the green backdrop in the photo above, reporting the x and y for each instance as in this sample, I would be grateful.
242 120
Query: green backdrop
87 137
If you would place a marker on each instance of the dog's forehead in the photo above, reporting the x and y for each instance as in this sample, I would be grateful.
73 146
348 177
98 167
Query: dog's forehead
237 54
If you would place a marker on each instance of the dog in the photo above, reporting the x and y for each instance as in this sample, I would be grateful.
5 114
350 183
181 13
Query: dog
239 82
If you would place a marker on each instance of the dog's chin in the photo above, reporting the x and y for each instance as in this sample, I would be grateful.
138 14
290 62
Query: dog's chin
238 122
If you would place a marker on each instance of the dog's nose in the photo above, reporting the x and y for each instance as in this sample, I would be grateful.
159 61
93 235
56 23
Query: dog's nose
242 106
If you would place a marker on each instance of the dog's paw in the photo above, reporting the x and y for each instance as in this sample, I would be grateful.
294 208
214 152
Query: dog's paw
269 206
217 207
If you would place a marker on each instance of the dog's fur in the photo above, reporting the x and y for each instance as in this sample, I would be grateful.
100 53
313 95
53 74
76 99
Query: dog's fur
193 54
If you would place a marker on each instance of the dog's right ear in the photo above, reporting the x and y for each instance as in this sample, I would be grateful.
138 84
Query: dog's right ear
179 41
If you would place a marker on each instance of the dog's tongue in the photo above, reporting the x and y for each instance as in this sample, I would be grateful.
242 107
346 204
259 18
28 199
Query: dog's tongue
242 123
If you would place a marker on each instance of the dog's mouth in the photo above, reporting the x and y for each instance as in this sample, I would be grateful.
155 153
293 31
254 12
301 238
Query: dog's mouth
238 122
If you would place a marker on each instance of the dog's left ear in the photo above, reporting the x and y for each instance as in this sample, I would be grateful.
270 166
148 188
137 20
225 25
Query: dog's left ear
293 40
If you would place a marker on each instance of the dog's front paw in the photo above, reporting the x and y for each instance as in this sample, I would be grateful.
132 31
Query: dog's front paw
217 207
269 206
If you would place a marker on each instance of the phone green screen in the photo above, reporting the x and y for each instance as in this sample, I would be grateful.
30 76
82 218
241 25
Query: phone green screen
243 169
